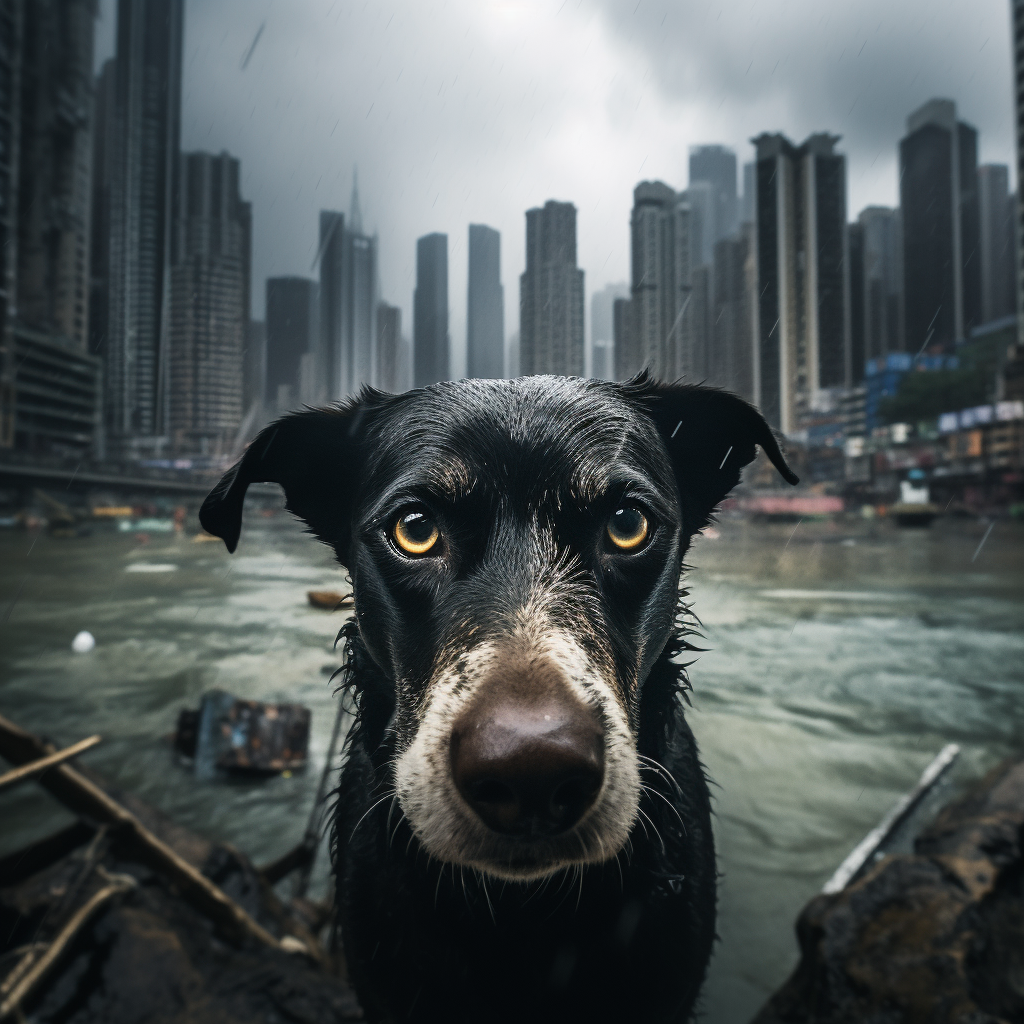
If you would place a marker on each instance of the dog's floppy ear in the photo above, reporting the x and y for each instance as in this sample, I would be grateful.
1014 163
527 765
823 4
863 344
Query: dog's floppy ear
315 456
710 435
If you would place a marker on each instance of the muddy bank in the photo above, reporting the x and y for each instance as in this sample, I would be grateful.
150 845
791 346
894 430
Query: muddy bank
935 937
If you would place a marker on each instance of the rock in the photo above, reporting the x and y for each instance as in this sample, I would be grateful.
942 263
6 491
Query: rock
932 937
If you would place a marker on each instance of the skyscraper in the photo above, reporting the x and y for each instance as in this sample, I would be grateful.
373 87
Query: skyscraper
802 342
939 201
748 204
49 383
717 166
996 242
485 313
349 294
858 343
882 294
293 312
551 294
663 258
731 359
626 358
392 359
1018 78
209 313
143 131
602 330
430 311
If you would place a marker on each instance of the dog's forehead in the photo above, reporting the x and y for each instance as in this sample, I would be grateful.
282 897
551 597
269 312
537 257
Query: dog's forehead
536 435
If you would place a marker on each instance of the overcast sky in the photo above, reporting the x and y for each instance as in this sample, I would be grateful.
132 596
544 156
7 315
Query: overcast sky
472 111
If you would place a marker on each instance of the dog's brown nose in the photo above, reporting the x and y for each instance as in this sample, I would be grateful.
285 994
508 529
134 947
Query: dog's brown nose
528 768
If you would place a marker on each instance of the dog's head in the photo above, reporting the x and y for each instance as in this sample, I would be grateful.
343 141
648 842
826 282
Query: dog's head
515 549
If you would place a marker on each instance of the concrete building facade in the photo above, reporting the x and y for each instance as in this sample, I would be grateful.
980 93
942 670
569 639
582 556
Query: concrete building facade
430 343
941 228
293 333
802 338
209 305
485 305
997 250
551 324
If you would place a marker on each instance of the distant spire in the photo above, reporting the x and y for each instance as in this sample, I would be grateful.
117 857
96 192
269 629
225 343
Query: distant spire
355 215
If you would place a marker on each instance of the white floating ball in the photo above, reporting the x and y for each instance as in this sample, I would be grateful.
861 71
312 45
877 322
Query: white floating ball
83 643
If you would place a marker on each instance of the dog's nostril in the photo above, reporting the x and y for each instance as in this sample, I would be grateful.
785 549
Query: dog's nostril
528 771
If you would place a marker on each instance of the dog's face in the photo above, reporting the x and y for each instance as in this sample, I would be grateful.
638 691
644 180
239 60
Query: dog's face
515 550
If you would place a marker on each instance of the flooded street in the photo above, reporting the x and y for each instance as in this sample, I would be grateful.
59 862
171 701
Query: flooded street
840 658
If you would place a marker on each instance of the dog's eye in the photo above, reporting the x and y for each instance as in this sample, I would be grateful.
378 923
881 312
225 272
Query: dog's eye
628 529
415 533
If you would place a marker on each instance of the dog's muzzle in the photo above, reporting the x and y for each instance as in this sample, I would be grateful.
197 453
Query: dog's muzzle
527 756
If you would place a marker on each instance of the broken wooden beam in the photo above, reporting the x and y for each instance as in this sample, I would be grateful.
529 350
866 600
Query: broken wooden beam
37 767
84 797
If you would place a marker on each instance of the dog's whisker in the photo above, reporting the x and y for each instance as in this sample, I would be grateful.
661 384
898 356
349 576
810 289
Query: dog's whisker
655 827
672 807
376 803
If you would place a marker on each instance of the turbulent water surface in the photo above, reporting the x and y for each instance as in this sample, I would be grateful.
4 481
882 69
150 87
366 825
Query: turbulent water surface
839 659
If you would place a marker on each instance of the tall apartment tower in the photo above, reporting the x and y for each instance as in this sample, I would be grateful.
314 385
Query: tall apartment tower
49 383
748 202
716 165
941 231
662 257
730 361
485 312
143 130
881 293
293 333
802 341
349 295
1018 75
602 330
392 359
998 257
551 294
430 311
209 305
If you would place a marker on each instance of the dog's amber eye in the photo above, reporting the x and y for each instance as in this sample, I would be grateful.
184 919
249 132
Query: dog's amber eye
415 533
627 529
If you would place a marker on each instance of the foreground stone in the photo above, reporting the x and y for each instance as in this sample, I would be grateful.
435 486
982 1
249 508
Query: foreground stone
934 937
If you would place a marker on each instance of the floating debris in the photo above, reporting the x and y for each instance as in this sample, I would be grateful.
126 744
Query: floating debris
243 736
83 643
329 599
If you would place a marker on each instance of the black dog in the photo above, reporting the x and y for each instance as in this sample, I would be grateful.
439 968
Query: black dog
523 828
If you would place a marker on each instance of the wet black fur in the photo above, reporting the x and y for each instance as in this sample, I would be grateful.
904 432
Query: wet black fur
627 940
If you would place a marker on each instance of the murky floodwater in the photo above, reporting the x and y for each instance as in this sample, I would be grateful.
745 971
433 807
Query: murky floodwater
841 658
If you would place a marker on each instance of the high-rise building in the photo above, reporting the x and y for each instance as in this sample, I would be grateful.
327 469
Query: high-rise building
748 204
254 367
49 382
663 248
392 357
802 339
293 331
624 348
349 294
939 202
881 291
858 344
701 198
551 294
717 166
142 140
731 359
208 308
1018 75
602 330
485 313
996 242
430 341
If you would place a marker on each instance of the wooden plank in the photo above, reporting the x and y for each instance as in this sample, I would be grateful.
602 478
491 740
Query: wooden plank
873 840
34 768
84 797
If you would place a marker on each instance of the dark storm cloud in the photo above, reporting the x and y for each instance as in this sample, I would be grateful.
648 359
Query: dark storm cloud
460 111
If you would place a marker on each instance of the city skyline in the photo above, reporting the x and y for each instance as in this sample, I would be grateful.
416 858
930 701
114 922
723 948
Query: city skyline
266 123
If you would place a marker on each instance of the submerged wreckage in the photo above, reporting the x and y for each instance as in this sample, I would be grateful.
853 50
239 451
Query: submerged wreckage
126 916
